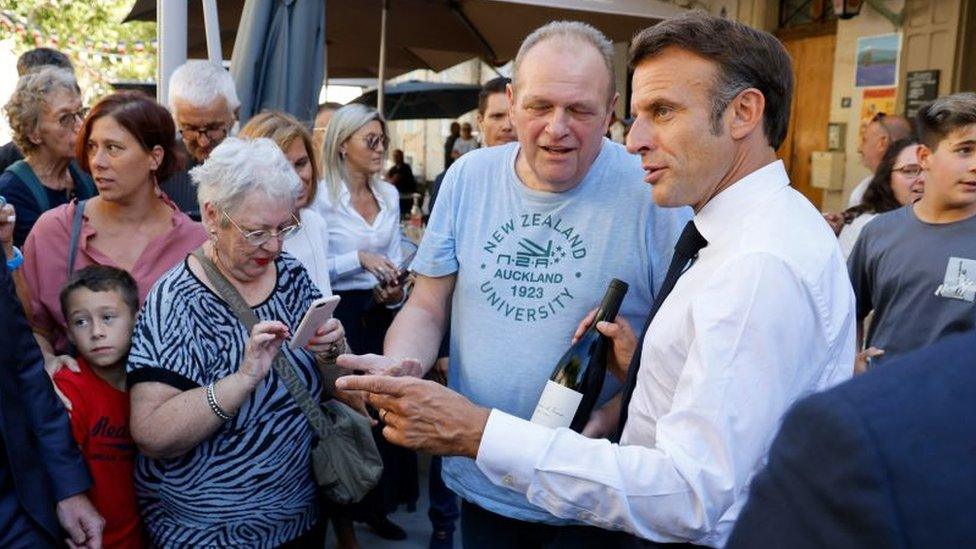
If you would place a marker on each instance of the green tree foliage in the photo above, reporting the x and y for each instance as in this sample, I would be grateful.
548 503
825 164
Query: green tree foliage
91 32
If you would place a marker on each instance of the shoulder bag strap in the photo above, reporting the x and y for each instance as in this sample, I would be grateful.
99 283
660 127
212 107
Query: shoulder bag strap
282 367
23 171
75 235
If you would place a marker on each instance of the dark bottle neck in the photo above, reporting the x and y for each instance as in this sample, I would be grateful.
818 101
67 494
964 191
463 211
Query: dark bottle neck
611 302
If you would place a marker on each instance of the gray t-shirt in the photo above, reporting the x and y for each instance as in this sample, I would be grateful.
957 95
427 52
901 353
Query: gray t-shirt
529 266
914 276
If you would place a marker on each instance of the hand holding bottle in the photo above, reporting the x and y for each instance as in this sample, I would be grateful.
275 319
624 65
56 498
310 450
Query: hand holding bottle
623 342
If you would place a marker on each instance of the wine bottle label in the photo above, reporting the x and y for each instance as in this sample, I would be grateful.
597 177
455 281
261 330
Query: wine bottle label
557 406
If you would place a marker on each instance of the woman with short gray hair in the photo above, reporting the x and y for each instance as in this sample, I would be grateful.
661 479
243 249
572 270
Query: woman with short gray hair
225 447
44 114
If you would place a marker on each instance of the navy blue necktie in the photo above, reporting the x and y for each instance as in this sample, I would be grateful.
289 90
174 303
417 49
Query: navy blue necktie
685 251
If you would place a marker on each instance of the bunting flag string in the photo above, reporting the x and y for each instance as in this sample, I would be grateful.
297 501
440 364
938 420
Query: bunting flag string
114 52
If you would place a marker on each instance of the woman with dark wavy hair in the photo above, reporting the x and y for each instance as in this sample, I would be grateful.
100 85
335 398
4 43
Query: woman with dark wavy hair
128 144
897 182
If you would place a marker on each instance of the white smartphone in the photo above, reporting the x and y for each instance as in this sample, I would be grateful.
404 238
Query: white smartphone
318 312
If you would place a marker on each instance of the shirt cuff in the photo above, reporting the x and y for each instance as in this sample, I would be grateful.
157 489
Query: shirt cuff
346 263
510 448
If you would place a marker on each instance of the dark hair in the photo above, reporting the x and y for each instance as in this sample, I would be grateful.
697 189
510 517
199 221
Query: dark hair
879 196
938 118
148 121
493 86
746 58
102 278
40 57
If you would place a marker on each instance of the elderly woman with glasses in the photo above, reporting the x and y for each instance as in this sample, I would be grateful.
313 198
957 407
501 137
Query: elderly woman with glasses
45 114
898 181
225 447
311 247
127 143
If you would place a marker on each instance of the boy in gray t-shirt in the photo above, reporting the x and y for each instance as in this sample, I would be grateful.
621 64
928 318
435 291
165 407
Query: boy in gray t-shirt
915 267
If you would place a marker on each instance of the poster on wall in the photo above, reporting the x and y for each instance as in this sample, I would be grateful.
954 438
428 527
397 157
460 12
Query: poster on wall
877 61
875 101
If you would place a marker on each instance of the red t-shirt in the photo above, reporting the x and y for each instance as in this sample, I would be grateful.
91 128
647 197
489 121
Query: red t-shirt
100 424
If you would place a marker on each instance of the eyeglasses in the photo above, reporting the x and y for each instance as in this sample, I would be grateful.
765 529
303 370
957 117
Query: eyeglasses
213 132
374 141
911 171
67 120
260 236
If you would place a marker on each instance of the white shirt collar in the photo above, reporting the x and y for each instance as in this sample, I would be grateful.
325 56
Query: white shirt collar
728 206
345 197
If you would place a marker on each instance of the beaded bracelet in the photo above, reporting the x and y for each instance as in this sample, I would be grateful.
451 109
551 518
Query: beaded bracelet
212 401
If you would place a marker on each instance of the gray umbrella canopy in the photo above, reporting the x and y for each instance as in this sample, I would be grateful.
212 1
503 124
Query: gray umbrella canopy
419 100
431 34
279 57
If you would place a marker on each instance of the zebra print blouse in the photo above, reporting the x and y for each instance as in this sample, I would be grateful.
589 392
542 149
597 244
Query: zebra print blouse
251 483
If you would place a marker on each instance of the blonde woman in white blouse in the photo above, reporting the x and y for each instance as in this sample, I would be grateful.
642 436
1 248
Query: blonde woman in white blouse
311 245
363 215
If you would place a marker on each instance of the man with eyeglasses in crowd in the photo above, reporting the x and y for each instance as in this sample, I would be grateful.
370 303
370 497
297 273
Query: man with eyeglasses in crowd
915 267
204 103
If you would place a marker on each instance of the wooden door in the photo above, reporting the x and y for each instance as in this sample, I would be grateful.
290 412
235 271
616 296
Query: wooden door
813 73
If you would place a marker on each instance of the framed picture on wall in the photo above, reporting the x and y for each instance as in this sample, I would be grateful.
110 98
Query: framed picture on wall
877 61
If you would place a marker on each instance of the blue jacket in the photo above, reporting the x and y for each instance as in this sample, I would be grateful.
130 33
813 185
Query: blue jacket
887 459
41 464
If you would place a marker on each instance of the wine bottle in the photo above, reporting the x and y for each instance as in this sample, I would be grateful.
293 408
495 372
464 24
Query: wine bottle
576 382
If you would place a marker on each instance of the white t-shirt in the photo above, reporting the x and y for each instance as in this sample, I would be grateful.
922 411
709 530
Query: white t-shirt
857 194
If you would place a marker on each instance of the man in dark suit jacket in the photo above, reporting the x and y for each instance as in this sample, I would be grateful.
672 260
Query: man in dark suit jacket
43 478
887 459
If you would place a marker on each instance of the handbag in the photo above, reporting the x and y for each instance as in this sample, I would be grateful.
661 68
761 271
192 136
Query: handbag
345 460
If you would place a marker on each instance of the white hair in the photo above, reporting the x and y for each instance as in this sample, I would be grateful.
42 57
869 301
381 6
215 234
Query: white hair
239 167
574 30
200 83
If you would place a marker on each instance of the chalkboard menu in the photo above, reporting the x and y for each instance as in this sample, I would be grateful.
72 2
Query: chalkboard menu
921 87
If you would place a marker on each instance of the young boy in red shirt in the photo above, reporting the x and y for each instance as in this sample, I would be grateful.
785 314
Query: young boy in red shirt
99 304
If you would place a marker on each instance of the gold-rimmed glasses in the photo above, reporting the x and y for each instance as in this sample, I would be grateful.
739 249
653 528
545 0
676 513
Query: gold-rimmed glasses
260 236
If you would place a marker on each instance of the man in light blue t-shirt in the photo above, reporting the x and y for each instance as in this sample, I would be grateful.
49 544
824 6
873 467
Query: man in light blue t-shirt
522 243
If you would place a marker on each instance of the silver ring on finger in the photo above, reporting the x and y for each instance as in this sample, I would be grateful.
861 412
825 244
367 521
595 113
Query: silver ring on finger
383 413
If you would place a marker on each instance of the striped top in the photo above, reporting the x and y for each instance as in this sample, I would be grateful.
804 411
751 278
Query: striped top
251 483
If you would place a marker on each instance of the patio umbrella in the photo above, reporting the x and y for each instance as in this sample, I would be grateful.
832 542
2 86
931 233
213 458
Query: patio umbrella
279 57
419 100
432 34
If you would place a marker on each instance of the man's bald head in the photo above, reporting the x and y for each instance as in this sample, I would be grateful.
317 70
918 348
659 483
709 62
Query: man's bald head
881 131
574 33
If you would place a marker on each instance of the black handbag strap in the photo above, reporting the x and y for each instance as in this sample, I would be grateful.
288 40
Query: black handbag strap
313 412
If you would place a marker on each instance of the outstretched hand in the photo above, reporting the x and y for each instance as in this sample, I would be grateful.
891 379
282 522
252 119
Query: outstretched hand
380 365
422 415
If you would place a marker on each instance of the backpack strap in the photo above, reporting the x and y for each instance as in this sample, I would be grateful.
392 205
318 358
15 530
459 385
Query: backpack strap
75 235
84 184
24 172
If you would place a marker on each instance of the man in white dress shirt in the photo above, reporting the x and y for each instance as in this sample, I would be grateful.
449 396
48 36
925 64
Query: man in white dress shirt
762 315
